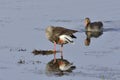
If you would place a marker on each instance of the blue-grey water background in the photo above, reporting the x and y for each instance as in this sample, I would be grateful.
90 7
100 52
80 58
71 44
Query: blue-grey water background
22 25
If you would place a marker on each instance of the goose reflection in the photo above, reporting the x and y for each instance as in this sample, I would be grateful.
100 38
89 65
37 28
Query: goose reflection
61 67
91 34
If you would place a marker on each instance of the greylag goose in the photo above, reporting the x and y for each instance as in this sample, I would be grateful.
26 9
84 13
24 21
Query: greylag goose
59 35
93 26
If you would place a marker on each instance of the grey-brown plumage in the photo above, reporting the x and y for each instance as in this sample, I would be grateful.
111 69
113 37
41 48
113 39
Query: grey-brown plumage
59 35
53 33
94 26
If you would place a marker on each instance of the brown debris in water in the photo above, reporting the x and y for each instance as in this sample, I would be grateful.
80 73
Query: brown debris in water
43 52
21 61
28 62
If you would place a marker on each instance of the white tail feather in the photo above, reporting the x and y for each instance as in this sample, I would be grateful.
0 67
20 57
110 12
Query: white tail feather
66 38
65 67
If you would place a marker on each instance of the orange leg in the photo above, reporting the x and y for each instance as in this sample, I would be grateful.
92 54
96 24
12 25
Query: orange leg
61 51
54 52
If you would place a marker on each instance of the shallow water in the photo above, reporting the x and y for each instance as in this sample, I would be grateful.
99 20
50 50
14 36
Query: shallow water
22 25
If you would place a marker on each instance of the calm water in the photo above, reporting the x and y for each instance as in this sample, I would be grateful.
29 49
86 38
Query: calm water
22 25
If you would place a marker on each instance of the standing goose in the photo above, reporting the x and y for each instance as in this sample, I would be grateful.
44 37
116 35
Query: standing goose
94 26
59 35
